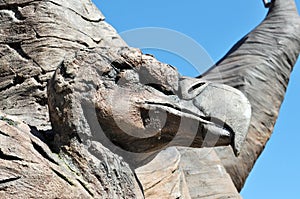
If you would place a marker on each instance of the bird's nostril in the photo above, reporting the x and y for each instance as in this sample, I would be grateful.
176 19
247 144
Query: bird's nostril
267 3
194 87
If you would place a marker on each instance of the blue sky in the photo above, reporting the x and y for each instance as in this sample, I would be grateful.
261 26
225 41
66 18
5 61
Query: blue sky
216 26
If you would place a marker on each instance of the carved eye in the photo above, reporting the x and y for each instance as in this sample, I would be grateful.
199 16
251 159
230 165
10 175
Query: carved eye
194 87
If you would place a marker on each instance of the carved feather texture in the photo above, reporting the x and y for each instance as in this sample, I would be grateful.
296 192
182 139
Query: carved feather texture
259 65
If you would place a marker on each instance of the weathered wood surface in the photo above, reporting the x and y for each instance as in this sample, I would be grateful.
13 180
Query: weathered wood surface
109 96
29 169
260 65
37 37
182 172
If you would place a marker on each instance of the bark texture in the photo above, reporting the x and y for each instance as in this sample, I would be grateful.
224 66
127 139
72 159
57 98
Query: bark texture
35 36
29 169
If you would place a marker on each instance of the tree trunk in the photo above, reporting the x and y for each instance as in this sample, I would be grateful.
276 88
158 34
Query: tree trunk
35 37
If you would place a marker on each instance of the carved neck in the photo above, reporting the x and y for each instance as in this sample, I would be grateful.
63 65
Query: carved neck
260 65
282 7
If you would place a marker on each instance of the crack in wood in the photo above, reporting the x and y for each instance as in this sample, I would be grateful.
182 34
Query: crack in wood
62 177
18 49
4 134
41 151
38 36
16 13
6 6
85 188
3 181
9 157
83 17
16 81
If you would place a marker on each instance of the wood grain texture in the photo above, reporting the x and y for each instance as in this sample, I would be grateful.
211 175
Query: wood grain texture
35 36
30 169
259 65
38 37
187 173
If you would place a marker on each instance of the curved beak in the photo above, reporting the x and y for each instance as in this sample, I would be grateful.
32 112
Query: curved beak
227 108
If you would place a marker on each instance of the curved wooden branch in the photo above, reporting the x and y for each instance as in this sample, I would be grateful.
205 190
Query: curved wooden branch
259 65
